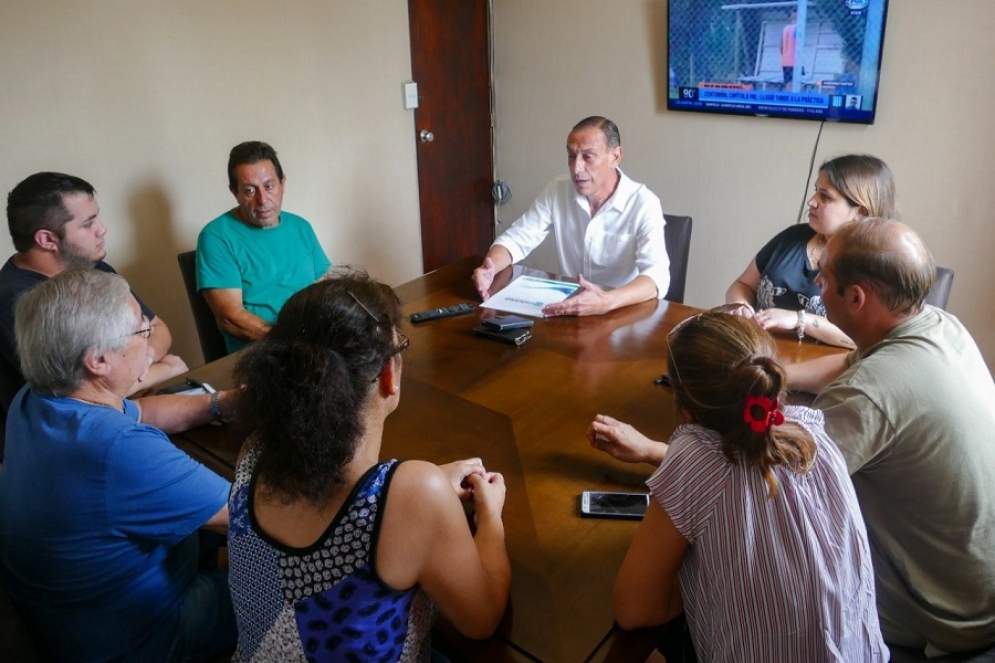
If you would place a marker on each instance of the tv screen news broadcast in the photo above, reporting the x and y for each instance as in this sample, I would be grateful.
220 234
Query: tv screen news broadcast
810 59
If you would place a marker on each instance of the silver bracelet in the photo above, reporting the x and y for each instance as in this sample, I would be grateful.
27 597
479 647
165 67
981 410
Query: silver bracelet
801 325
214 405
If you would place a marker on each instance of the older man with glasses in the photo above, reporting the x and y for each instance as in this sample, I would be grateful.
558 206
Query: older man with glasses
99 512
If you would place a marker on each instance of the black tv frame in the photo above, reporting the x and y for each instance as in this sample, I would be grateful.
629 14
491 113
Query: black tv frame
838 87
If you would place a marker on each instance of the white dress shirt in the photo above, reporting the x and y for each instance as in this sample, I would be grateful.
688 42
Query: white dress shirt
622 241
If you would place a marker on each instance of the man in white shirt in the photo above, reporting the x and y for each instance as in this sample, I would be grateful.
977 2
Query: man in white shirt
607 228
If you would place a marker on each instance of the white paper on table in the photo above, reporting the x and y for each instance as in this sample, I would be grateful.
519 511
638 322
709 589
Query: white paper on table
527 295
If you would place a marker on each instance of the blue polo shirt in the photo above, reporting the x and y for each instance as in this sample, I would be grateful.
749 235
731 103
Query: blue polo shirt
95 514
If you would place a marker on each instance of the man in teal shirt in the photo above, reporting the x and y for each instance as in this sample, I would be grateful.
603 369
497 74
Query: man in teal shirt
252 258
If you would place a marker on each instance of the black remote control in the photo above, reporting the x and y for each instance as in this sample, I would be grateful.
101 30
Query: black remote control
447 312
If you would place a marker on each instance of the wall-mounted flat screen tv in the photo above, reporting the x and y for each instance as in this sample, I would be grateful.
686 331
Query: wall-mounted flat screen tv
811 59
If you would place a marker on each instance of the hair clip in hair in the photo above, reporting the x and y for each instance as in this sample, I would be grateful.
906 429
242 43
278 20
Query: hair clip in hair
762 413
364 307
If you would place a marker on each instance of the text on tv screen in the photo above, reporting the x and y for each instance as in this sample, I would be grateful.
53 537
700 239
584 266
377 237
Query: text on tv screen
810 59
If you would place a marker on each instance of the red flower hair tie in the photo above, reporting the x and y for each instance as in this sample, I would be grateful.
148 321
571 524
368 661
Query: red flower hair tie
768 411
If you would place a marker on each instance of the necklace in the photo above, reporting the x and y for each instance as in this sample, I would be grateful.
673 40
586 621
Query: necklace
815 251
87 400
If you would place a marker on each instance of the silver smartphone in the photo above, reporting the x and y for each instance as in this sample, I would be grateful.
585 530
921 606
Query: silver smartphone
596 504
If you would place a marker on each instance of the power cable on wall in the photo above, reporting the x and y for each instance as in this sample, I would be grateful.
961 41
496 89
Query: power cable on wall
500 190
808 180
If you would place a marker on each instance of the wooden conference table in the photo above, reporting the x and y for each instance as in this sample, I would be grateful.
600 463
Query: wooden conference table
524 411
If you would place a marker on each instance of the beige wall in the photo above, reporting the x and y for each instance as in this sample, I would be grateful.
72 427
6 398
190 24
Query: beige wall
144 99
743 179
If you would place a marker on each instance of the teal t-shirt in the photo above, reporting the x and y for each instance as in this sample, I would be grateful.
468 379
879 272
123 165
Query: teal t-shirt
267 264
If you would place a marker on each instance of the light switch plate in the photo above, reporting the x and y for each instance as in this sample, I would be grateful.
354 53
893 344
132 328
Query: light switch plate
411 95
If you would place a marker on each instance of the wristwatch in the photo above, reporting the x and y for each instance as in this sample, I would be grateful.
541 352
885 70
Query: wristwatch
215 407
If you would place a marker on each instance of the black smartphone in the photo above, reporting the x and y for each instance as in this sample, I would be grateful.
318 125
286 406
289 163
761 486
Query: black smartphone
512 336
188 387
503 322
595 504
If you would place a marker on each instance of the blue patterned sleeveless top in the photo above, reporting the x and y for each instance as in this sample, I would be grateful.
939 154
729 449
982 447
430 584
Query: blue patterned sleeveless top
325 602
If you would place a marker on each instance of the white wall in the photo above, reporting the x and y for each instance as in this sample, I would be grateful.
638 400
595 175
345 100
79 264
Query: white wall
743 179
144 99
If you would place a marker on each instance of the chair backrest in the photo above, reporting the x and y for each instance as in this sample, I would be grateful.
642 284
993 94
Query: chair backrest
677 236
212 343
940 293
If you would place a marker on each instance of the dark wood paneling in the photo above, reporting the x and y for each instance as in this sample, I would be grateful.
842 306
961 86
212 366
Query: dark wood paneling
450 63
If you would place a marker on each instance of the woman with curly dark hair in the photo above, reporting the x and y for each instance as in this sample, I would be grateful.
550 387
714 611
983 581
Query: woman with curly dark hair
335 555
754 531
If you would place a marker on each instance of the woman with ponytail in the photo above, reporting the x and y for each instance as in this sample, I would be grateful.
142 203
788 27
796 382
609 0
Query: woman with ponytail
335 555
754 531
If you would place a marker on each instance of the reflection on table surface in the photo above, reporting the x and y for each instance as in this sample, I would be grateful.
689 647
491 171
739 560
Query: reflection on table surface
524 411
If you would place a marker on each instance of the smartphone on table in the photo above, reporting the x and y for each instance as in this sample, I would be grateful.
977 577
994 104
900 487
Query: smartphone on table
503 322
512 336
597 504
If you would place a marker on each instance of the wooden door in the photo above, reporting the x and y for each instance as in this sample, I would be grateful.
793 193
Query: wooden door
450 64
